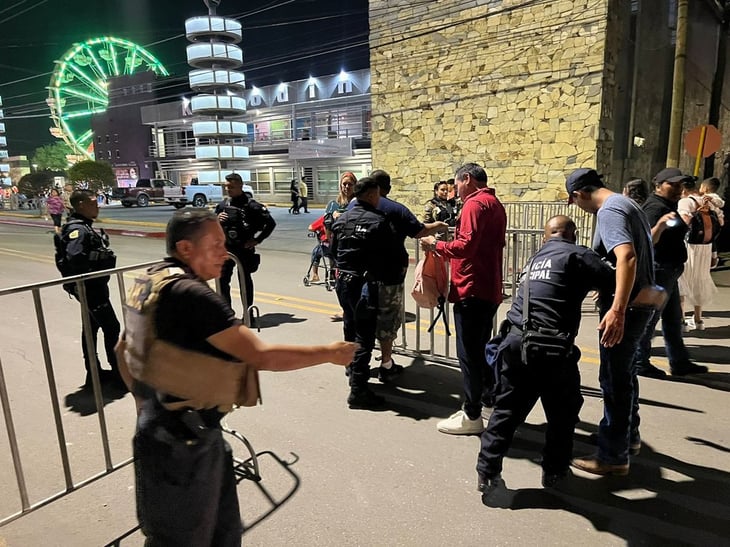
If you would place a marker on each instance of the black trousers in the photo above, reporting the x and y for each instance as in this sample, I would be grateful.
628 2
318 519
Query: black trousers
186 488
101 316
556 384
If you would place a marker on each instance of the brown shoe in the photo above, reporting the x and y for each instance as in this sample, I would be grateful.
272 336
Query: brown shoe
593 465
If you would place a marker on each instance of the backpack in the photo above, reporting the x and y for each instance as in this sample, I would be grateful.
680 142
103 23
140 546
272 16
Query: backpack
59 242
704 225
431 286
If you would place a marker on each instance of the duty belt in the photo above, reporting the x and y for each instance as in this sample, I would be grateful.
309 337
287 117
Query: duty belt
347 277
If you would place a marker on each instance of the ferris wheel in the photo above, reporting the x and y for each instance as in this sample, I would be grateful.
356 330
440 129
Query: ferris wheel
78 87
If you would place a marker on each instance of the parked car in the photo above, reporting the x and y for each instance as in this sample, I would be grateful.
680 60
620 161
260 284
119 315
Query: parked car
145 191
198 195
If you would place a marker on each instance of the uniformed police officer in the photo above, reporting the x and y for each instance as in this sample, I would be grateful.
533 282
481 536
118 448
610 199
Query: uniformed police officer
246 223
560 275
81 249
366 250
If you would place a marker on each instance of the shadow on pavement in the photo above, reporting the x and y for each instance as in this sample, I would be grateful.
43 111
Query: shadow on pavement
663 501
82 400
269 320
422 391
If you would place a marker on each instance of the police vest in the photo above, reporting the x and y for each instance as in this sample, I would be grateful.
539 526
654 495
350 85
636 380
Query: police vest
199 380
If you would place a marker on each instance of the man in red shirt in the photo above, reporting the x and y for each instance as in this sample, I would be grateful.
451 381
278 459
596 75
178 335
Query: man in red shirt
476 289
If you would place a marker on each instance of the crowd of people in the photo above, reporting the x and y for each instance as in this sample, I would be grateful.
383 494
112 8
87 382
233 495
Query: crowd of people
636 266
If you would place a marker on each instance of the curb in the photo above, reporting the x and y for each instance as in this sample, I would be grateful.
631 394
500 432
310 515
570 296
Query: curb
110 231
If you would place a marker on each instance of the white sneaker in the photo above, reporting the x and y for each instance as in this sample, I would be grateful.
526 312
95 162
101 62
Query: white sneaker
460 424
700 325
688 325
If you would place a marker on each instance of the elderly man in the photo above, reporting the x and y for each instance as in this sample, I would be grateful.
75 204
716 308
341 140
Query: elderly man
476 290
186 488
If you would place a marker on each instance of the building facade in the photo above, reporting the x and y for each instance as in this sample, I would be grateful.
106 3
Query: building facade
534 89
315 128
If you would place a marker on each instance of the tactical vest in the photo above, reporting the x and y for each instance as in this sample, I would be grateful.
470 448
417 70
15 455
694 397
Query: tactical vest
200 380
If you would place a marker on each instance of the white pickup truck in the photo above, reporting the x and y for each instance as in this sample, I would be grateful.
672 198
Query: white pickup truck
198 195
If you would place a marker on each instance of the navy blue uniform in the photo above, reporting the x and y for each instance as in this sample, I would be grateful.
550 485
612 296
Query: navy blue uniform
367 252
561 275
247 219
87 250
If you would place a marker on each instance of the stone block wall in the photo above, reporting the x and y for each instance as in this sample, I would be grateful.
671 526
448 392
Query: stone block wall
514 85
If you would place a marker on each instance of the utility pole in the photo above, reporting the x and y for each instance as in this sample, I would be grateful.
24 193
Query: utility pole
680 56
717 83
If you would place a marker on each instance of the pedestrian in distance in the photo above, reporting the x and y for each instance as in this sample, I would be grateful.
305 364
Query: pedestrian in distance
55 209
81 249
303 195
558 278
623 238
475 256
294 197
185 483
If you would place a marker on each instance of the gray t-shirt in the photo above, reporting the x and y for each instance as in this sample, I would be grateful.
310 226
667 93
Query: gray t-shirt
621 220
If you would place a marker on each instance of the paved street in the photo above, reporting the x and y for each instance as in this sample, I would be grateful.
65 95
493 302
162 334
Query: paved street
333 476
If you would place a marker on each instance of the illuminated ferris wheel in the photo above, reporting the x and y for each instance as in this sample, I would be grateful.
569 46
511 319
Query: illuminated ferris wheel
78 86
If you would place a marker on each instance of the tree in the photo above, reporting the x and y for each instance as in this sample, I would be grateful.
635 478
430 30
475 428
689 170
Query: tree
52 156
94 175
32 184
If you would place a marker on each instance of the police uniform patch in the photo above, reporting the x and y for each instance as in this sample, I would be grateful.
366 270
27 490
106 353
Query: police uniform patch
74 234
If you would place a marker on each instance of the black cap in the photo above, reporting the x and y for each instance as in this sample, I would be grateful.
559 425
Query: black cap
580 178
671 174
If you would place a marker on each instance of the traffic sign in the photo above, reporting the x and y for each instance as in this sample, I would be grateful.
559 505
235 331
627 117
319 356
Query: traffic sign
702 142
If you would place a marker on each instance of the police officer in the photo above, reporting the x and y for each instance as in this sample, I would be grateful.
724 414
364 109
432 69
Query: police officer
366 249
81 249
560 275
246 223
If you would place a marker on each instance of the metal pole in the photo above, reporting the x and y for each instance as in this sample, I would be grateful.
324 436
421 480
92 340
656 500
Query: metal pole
13 440
678 84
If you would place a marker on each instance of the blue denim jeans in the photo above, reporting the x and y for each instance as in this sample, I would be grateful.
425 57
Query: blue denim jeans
620 422
671 316
473 320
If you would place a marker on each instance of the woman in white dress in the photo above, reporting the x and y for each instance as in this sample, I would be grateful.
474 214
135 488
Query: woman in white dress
695 284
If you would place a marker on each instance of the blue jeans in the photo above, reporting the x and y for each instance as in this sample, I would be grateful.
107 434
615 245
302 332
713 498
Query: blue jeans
473 320
620 423
671 316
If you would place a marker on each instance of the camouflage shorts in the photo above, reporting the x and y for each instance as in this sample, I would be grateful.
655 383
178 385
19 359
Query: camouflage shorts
390 302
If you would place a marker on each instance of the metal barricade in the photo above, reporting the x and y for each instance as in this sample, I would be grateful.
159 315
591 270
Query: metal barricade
247 467
524 236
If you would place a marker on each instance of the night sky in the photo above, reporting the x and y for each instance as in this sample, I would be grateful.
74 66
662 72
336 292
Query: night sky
283 40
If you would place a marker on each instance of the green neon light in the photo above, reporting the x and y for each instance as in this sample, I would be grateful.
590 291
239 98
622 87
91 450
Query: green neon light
78 84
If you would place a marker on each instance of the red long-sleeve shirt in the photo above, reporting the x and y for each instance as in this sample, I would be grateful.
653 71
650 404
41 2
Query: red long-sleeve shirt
476 252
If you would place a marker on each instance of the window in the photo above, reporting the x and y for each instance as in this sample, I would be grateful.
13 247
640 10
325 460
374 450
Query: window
261 181
116 138
282 180
107 139
117 153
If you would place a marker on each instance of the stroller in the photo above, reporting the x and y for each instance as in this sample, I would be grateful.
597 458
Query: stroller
320 254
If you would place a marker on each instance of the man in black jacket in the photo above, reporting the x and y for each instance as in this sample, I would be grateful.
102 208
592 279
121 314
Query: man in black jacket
670 254
246 223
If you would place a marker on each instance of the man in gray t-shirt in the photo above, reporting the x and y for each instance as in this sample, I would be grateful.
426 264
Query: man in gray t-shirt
622 237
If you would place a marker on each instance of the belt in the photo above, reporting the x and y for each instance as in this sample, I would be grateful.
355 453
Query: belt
347 277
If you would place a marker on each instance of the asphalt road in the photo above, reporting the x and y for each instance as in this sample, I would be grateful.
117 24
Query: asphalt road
332 476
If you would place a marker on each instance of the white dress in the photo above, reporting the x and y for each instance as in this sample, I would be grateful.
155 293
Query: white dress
695 283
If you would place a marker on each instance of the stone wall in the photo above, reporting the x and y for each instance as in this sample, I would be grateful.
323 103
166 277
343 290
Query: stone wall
514 85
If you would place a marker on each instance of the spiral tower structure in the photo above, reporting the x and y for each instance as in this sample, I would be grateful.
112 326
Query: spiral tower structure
215 58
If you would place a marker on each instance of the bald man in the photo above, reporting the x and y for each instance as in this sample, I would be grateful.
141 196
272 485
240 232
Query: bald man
560 274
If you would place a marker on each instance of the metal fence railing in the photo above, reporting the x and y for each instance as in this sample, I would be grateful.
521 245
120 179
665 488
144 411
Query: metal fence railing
525 229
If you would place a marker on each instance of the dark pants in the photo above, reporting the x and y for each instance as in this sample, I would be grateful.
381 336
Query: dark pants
556 384
186 488
227 274
359 302
101 316
473 322
304 204
620 423
671 316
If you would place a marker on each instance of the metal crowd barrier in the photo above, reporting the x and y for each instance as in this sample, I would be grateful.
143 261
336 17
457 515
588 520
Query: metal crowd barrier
248 467
524 235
